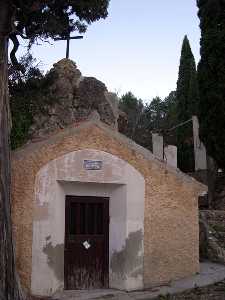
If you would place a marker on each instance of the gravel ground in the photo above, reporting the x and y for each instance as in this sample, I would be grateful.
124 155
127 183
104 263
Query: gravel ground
212 292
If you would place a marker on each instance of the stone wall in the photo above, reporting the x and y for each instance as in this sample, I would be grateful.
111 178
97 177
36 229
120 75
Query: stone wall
212 235
171 240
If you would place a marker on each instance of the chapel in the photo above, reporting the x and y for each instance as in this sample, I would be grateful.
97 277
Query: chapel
91 209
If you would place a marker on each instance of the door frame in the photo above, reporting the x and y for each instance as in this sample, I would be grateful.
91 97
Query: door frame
106 218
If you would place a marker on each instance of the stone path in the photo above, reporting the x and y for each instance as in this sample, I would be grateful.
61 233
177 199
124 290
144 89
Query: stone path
210 273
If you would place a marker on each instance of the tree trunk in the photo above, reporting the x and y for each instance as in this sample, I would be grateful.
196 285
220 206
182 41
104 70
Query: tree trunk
9 288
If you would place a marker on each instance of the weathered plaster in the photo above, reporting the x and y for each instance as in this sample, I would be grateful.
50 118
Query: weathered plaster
157 145
129 259
55 259
41 212
200 150
170 155
66 176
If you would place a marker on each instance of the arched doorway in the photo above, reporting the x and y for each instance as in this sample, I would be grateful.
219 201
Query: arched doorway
80 175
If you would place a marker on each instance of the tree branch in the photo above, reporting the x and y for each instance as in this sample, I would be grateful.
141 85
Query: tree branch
13 58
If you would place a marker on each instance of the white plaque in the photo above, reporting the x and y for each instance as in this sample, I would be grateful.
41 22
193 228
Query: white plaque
92 164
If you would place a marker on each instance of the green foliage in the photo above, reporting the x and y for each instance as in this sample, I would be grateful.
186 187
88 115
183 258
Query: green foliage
142 118
21 119
56 18
171 118
211 78
133 108
157 111
187 103
185 149
36 20
33 20
162 115
187 88
28 94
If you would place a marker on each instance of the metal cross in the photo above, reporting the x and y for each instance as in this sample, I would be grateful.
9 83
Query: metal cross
67 39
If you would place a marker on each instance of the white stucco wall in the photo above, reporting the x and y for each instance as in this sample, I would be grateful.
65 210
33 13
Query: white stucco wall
117 180
199 148
170 155
157 145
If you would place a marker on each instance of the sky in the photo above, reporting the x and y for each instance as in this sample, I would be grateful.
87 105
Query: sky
137 48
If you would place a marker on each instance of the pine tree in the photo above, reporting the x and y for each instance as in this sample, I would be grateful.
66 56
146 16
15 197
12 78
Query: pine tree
187 103
133 107
211 78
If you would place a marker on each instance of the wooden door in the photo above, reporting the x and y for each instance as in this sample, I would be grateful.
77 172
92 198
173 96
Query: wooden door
86 242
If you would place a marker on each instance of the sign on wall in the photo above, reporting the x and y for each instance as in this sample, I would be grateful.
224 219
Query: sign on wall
92 164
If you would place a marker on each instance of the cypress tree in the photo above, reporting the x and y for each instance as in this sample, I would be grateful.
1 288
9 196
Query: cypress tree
187 101
187 91
211 78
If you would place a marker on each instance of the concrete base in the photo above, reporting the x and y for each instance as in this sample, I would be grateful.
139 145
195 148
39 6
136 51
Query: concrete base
210 273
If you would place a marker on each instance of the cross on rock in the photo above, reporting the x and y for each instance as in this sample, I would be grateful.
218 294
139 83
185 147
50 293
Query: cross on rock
67 39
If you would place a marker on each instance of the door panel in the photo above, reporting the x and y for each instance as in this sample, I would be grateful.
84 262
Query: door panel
86 242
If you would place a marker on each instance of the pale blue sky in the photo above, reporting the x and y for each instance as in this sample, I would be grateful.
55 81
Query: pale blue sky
137 48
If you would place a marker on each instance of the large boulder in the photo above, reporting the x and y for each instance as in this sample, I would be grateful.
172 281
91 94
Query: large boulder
71 98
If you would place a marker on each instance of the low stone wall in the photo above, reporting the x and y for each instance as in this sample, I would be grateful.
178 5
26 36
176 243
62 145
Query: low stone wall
212 235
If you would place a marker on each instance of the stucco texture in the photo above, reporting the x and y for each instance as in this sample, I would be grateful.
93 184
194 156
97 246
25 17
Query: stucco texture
171 232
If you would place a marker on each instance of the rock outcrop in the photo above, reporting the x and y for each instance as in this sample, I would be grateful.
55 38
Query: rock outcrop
71 98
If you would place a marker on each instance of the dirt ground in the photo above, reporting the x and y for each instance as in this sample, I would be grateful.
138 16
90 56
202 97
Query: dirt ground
212 292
